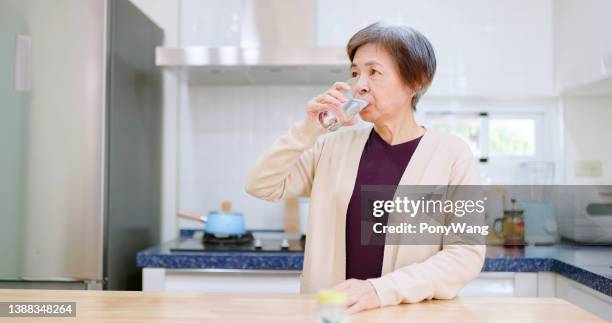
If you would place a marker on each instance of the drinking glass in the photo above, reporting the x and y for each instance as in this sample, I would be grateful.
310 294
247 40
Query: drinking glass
330 120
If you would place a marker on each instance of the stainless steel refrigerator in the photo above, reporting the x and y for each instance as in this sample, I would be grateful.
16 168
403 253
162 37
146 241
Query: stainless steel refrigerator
80 143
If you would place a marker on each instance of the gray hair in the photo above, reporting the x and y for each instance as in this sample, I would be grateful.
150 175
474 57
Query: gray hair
412 51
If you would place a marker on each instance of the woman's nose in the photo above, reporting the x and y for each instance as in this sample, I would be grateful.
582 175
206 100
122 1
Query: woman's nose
361 85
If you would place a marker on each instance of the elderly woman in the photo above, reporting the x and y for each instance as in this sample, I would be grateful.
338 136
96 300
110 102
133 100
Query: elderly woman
393 66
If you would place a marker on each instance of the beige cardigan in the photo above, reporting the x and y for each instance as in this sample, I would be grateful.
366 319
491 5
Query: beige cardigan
298 164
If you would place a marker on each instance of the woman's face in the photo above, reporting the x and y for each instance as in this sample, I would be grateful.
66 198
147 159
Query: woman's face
379 83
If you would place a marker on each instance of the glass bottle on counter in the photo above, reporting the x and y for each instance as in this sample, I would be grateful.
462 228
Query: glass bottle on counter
331 307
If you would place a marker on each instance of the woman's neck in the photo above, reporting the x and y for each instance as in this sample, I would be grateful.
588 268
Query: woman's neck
399 130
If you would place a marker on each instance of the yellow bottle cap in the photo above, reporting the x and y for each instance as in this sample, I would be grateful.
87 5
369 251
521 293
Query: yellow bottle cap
332 296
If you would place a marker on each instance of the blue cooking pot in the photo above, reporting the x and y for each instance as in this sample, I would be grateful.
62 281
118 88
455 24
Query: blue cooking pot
225 223
219 223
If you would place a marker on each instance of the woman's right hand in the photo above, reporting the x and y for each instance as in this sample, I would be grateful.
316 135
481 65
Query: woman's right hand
331 99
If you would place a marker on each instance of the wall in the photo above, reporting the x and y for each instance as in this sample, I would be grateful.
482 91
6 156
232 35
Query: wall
166 15
588 129
484 48
223 131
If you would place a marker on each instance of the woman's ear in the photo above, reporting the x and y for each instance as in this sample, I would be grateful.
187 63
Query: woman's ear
416 96
411 92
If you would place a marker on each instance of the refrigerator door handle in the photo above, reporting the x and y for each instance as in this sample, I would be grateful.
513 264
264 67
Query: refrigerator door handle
23 63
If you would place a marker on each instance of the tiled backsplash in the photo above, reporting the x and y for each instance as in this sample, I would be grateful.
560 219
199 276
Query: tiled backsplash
223 130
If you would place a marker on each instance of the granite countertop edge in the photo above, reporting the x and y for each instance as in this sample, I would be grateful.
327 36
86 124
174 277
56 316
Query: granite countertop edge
158 257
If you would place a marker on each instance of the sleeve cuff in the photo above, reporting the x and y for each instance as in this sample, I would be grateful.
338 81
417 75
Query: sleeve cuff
308 131
385 290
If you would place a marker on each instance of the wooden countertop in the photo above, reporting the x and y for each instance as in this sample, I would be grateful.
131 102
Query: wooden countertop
122 306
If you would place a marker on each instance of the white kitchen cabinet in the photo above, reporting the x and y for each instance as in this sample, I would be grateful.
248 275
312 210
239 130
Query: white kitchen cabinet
585 297
484 48
280 281
221 280
541 284
503 284
582 42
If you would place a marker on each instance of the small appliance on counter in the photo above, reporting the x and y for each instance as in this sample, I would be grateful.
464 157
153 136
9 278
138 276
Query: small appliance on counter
540 223
512 227
586 215
540 219
494 204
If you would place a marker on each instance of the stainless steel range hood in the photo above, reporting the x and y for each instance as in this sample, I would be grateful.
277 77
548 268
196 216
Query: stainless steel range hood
276 45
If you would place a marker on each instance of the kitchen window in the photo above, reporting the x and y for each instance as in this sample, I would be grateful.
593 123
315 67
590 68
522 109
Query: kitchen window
467 126
512 137
500 139
491 135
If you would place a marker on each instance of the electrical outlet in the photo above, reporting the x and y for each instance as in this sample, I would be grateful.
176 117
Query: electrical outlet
588 168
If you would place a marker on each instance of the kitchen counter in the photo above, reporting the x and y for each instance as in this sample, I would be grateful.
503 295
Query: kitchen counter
588 265
123 306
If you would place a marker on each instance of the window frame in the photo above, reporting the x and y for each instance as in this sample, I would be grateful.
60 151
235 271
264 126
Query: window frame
545 113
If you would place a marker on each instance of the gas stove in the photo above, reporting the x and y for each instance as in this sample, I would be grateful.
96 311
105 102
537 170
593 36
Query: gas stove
250 242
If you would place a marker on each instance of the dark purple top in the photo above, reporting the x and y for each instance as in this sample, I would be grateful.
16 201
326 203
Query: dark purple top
380 164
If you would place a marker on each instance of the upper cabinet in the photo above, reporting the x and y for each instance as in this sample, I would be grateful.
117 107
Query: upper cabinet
583 46
484 48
